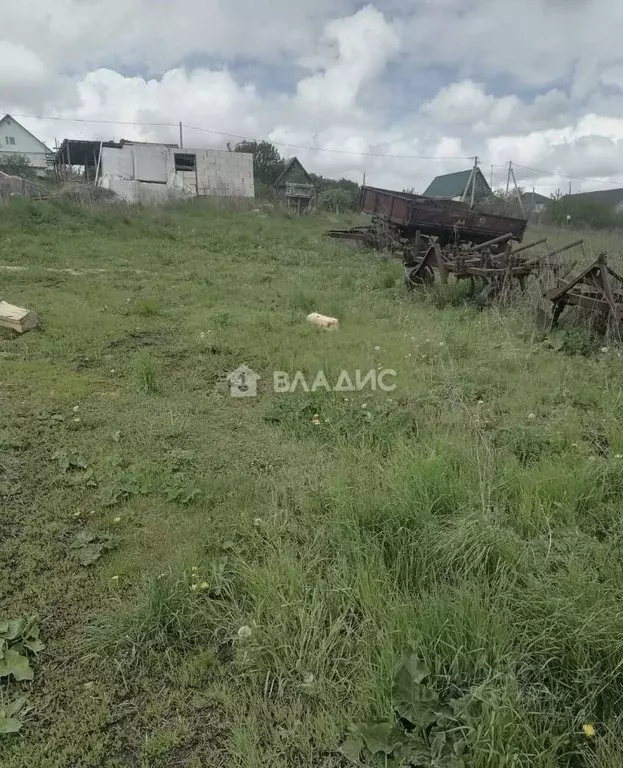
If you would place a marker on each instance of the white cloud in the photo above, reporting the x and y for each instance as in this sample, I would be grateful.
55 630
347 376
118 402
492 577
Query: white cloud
529 82
358 49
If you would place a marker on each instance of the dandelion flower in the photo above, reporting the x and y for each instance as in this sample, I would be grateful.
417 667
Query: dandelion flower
257 522
308 678
202 334
117 520
618 456
112 370
589 730
77 514
604 350
194 587
77 421
481 402
204 585
76 408
365 405
442 343
377 349
194 568
245 632
115 578
532 416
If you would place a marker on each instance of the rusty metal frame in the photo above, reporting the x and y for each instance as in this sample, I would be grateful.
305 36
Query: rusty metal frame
598 288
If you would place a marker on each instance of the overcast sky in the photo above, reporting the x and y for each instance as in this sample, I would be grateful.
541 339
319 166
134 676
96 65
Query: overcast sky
539 82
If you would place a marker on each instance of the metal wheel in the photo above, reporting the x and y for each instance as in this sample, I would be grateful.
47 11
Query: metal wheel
425 276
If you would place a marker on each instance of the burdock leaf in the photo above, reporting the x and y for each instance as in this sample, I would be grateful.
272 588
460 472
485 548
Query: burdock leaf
8 724
34 645
379 738
351 748
17 665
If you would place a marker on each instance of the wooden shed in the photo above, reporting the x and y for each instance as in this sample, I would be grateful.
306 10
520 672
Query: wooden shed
295 185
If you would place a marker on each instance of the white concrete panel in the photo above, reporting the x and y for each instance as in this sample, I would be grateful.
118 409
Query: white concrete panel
153 194
150 163
117 163
125 189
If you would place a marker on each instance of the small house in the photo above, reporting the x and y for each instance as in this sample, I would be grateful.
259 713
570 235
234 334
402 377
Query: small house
15 141
296 186
534 205
453 186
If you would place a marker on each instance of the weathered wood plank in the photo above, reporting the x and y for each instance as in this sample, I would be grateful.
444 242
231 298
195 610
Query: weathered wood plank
17 318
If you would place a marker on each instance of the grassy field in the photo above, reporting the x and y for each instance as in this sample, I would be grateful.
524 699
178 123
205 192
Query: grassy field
260 565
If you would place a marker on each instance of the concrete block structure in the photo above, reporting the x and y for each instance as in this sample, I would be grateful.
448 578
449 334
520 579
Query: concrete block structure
152 173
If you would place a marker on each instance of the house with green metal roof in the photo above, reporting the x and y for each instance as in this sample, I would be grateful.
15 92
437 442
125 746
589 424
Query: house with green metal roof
452 186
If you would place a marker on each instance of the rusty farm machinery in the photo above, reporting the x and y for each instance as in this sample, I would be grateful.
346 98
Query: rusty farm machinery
438 237
596 291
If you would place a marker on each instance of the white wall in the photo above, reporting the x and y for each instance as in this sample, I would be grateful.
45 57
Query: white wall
217 172
25 144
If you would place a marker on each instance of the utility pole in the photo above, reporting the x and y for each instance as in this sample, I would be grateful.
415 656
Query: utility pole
474 180
364 179
181 136
519 200
470 182
491 185
570 183
508 178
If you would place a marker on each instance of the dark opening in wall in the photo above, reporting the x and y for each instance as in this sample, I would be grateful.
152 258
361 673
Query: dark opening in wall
185 162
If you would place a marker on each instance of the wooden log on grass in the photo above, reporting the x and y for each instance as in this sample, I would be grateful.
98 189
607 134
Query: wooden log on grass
17 318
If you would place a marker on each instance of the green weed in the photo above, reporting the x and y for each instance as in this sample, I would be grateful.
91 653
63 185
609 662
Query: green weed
145 370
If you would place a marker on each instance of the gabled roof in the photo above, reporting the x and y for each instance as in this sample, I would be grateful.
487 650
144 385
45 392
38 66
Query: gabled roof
10 117
453 184
527 199
292 162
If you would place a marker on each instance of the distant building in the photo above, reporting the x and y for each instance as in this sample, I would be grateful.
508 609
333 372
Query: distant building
452 186
152 173
613 198
534 204
16 140
296 186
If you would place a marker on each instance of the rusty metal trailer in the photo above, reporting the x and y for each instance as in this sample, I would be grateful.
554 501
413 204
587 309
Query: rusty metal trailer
447 220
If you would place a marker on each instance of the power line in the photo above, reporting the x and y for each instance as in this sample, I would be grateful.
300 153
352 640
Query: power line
245 138
565 176
104 122
336 151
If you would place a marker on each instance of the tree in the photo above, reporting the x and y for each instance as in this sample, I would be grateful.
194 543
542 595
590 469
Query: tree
267 162
16 164
583 212
336 200
505 203
333 194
